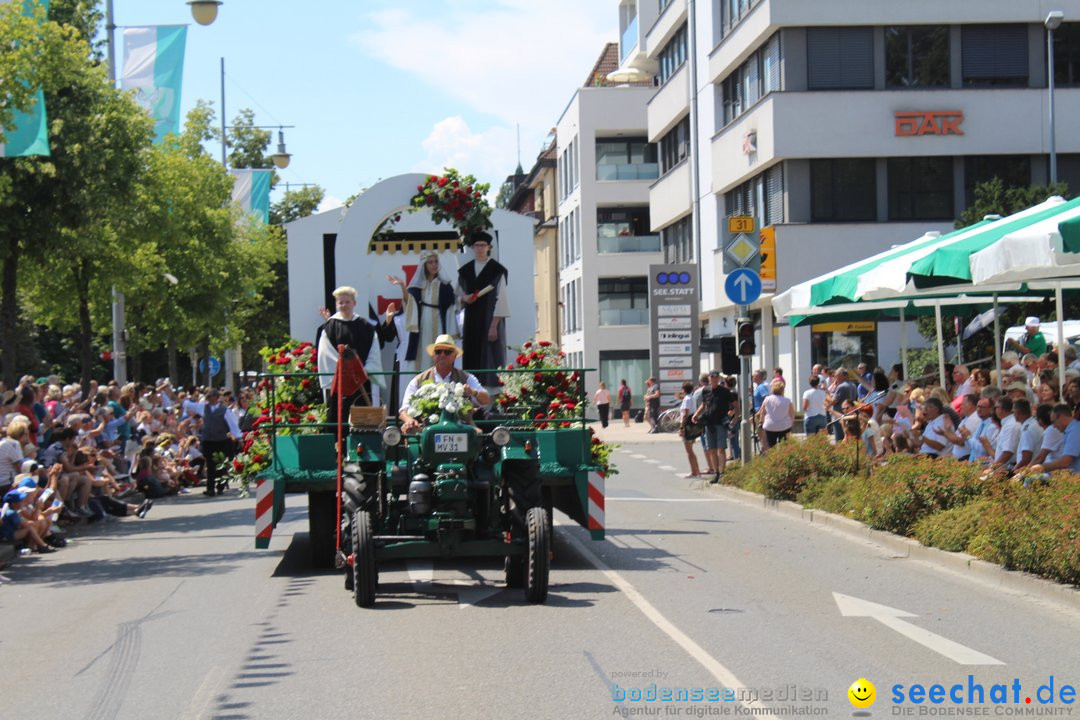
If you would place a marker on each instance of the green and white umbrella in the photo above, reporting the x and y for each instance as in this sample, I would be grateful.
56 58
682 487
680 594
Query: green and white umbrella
1036 251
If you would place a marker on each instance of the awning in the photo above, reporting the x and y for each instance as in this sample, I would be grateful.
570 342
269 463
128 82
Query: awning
1036 251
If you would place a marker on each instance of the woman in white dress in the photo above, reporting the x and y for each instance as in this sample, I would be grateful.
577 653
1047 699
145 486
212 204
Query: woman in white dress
429 309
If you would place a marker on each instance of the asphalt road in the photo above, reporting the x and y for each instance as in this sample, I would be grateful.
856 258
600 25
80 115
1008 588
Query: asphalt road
177 616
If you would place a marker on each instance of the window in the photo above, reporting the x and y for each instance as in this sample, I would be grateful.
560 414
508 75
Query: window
678 242
568 170
921 188
673 55
917 56
623 301
840 58
731 12
1013 170
994 55
626 159
761 197
675 146
620 230
843 190
629 365
1067 54
753 80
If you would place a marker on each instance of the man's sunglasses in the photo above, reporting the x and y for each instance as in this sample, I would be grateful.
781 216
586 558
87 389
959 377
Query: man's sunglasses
443 351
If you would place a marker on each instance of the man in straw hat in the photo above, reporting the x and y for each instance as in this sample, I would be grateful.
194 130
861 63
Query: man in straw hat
443 353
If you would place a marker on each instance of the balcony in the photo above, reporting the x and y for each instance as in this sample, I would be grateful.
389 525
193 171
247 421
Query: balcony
628 171
670 197
627 243
628 316
670 103
629 40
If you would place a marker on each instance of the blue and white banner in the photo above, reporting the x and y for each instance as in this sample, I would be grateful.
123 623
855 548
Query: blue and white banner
251 191
29 131
154 69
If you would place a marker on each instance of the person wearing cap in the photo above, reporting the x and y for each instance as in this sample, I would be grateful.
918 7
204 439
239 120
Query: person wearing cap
358 335
483 332
443 353
717 405
20 521
1033 341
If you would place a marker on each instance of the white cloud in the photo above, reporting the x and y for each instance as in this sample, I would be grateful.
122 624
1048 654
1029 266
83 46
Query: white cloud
518 60
489 154
330 202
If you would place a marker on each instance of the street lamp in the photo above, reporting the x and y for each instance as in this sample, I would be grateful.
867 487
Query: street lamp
1052 23
204 11
281 158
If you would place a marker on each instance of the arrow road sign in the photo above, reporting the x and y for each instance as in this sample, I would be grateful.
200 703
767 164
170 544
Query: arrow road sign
890 617
743 286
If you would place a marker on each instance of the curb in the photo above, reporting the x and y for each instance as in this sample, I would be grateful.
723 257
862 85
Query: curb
959 562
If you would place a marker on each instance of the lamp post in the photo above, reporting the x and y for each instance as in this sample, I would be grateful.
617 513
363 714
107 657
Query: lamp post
1052 23
204 12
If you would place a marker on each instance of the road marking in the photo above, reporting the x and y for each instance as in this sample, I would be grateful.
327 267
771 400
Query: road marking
652 499
470 594
669 468
890 617
724 676
638 456
200 701
653 461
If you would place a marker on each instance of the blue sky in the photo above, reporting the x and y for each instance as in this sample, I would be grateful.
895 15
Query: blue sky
381 87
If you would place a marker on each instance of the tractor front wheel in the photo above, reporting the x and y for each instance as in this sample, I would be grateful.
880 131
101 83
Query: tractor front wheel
365 577
538 558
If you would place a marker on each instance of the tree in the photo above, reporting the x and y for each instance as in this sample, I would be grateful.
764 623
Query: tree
995 198
66 213
31 56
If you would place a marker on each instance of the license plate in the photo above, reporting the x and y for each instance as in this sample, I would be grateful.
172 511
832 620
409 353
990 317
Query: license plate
451 443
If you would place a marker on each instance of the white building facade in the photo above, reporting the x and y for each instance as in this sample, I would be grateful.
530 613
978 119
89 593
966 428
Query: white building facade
847 126
605 166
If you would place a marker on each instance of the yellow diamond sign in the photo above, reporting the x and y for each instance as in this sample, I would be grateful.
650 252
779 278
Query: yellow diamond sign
742 249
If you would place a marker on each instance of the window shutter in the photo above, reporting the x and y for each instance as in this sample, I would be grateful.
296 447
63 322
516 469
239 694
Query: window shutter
774 195
994 51
772 64
840 58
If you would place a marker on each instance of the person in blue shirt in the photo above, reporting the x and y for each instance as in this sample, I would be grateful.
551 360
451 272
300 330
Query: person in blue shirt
761 389
1068 458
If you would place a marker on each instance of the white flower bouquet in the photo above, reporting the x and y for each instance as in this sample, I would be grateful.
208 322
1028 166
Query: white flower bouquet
432 398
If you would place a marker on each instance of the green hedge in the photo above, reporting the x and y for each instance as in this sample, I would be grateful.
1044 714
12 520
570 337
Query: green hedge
941 502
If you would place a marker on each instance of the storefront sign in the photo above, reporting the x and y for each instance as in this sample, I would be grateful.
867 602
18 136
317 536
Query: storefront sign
866 326
934 122
673 309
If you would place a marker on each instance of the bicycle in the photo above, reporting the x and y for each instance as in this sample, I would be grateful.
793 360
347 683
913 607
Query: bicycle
670 420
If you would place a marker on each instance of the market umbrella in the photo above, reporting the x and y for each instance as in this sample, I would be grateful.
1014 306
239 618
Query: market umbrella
1036 251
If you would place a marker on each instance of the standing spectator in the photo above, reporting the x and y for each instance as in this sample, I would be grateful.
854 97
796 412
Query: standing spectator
760 392
813 406
735 453
1031 434
688 429
777 414
703 385
602 399
625 397
219 434
933 440
717 405
652 404
844 390
1068 457
863 378
1033 341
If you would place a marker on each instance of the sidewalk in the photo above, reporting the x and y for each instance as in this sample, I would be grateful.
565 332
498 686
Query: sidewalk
637 433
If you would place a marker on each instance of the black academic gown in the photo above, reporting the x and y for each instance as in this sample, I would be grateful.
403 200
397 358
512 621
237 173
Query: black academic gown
479 352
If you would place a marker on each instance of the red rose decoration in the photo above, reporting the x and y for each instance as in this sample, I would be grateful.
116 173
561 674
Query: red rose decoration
527 345
544 343
442 182
551 391
258 458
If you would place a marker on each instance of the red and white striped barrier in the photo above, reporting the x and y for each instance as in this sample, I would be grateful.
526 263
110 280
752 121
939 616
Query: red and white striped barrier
596 504
264 512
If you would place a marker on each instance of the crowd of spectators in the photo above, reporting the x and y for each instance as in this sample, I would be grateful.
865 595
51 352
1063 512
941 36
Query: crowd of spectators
71 457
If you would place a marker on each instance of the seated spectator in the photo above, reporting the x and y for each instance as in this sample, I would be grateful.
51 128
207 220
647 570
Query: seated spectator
1031 434
1052 437
1008 439
1047 393
20 522
934 441
11 451
1068 456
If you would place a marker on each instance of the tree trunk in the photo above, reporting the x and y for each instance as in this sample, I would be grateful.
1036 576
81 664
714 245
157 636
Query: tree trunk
86 331
135 371
9 316
174 365
204 355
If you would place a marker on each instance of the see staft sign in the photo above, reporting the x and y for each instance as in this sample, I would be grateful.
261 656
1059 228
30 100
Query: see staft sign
673 313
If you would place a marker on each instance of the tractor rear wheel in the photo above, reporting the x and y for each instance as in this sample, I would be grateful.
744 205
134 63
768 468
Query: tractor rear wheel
365 577
538 558
514 571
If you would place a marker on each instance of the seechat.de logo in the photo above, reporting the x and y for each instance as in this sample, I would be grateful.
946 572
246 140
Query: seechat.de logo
673 278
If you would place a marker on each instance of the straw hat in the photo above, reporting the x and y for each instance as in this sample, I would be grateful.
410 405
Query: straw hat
444 341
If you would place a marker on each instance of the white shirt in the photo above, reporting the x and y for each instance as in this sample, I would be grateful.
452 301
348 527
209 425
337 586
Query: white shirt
933 432
327 359
199 408
1053 439
1031 437
11 458
414 385
814 402
961 451
990 431
1008 439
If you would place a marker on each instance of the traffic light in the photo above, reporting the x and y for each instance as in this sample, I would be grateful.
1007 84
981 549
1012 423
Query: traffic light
744 335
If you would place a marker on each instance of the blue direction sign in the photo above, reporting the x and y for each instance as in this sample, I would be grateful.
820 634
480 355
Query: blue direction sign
215 364
743 286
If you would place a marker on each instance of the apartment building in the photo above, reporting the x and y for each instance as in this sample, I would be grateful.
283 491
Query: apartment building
847 127
605 165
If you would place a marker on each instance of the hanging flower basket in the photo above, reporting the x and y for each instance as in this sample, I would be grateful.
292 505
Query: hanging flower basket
452 198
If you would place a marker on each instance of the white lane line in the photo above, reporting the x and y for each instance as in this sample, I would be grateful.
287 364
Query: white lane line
199 707
651 499
724 676
652 461
668 468
420 571
638 456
